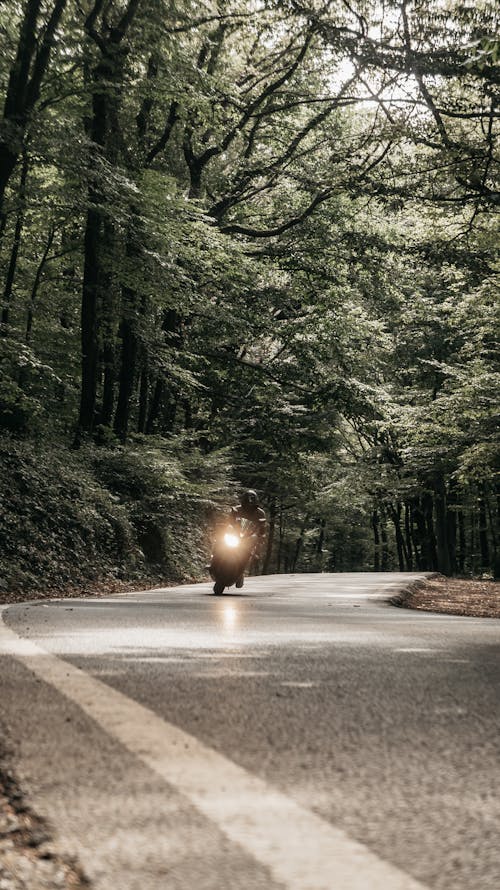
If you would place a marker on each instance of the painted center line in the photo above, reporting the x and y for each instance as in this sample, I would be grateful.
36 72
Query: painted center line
301 850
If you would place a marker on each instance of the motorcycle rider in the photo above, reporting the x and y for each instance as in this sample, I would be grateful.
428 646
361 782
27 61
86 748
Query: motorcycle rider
248 517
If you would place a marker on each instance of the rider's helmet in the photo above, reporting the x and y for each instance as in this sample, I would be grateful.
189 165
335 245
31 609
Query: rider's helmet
250 498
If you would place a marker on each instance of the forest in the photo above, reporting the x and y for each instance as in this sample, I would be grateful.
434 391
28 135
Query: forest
248 243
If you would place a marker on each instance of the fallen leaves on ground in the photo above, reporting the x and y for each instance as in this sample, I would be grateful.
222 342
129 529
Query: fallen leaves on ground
455 596
28 859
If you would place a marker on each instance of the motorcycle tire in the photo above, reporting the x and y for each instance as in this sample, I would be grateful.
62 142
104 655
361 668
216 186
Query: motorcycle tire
218 588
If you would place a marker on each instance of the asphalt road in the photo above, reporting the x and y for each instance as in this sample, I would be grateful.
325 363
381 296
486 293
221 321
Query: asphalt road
303 735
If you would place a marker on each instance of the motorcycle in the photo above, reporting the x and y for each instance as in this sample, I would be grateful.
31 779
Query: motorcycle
232 553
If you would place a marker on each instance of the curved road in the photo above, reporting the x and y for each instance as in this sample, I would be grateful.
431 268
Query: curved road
303 734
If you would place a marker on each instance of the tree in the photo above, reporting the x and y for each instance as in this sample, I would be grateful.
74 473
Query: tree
27 71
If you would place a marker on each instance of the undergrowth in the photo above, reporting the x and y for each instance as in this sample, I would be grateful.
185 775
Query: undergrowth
78 517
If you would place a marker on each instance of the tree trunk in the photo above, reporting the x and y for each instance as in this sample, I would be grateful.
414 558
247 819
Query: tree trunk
443 554
483 532
127 377
97 303
385 546
8 161
143 395
25 80
89 324
408 538
154 408
419 535
495 564
396 519
376 541
129 329
36 285
451 528
462 542
279 555
472 540
109 379
430 549
11 270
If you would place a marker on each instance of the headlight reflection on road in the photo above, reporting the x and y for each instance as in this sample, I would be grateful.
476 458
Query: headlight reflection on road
230 617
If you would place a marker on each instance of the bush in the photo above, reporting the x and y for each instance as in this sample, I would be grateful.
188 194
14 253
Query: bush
56 525
72 517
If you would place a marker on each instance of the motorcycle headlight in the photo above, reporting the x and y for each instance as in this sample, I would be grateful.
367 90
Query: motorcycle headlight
231 540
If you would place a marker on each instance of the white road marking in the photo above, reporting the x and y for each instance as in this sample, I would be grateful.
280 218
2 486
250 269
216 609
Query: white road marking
415 649
301 850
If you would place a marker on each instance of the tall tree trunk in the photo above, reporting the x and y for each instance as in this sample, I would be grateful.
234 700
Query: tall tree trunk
483 532
430 548
106 83
279 554
495 562
408 538
472 540
419 535
92 253
384 563
129 329
127 377
143 394
451 527
396 519
24 83
89 324
11 269
109 308
36 285
462 542
108 356
443 554
376 541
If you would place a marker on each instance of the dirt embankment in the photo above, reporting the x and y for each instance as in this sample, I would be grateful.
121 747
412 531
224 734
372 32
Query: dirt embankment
454 596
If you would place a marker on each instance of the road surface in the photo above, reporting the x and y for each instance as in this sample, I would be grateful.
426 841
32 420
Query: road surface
303 734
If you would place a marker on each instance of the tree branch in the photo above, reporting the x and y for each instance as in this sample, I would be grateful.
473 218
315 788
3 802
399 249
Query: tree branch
251 232
165 136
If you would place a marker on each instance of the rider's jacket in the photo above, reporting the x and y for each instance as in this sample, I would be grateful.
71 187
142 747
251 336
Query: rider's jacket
250 519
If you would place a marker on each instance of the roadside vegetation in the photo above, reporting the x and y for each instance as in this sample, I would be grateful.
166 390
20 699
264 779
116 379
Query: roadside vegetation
247 244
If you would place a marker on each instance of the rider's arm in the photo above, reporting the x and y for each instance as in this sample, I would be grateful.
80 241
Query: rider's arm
235 517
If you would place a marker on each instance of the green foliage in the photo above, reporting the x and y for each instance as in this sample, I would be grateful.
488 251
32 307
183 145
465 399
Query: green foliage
108 513
57 526
169 493
254 249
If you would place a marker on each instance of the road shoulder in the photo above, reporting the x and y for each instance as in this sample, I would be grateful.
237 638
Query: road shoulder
452 596
28 858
